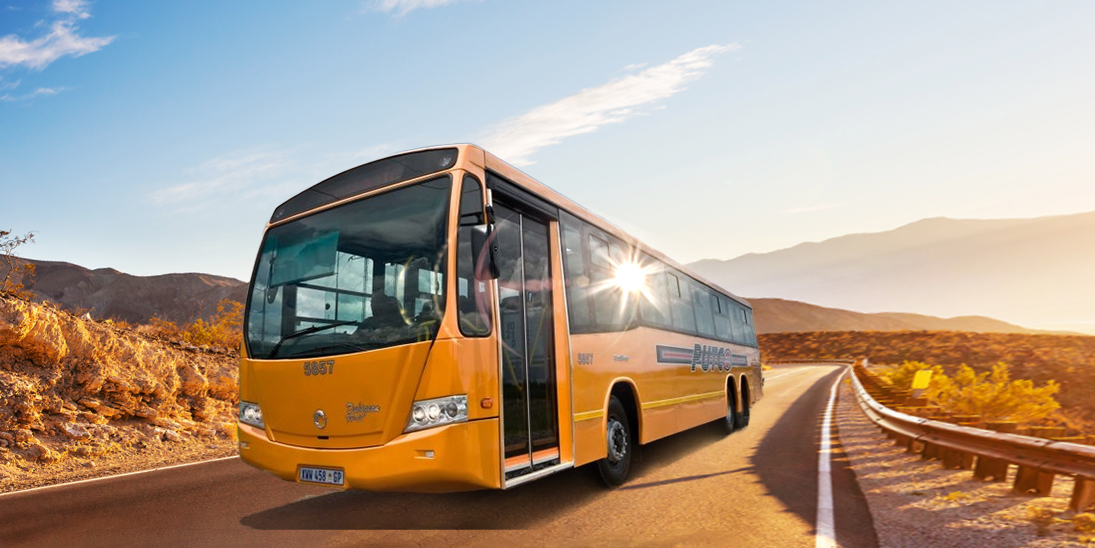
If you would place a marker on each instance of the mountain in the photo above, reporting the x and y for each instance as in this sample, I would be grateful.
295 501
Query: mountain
1035 272
783 316
107 293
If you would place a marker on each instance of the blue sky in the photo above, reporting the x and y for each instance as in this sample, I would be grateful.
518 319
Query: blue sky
157 137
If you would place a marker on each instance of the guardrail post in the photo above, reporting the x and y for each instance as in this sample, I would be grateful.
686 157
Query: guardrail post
931 451
995 468
1083 494
960 460
1032 479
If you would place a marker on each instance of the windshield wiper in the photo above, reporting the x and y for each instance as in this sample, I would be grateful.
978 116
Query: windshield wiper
307 331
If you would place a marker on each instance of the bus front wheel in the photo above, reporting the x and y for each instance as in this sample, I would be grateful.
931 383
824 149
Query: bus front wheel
615 465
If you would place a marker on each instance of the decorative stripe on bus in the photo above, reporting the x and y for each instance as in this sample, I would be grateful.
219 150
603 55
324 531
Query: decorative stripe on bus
586 415
683 399
704 357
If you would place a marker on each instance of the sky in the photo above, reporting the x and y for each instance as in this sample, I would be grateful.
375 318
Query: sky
158 137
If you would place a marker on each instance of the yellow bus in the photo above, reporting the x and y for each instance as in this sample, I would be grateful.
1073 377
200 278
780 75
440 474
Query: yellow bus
440 321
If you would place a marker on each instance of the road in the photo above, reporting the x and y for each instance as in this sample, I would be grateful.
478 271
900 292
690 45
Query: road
757 487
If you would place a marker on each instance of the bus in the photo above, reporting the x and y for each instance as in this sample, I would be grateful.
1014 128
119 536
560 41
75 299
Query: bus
439 321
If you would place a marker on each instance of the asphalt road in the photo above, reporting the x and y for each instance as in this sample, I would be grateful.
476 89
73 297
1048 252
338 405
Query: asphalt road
757 487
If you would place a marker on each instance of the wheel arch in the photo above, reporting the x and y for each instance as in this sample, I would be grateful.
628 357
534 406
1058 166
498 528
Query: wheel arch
627 392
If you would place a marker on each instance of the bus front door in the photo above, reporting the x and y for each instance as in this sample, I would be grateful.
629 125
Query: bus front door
529 413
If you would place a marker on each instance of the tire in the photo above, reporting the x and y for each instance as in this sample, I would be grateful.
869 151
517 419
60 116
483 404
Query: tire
620 445
743 417
730 422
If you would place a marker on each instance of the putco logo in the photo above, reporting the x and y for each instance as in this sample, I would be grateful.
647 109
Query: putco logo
358 412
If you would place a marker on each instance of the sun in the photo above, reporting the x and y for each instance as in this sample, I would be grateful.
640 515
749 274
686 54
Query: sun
630 277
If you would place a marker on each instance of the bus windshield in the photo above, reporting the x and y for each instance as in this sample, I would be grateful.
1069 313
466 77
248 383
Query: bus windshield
364 275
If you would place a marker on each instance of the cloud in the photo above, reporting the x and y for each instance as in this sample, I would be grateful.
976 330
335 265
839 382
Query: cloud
517 139
40 91
62 40
78 8
229 174
403 7
11 85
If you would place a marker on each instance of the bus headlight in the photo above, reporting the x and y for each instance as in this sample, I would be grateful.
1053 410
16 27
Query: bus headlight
251 413
436 412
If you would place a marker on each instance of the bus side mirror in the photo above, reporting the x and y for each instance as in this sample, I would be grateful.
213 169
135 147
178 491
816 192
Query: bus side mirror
484 249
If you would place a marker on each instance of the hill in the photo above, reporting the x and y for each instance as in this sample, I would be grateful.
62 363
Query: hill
780 316
1067 359
107 293
1032 272
80 398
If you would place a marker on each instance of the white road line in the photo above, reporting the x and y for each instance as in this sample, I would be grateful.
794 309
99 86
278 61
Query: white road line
785 374
115 476
826 529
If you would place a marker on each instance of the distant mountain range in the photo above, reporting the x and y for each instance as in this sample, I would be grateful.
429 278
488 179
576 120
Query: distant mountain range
1036 272
782 316
106 293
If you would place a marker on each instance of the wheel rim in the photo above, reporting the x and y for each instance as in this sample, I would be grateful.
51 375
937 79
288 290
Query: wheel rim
617 441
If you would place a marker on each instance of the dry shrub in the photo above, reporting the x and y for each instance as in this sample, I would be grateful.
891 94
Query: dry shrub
225 329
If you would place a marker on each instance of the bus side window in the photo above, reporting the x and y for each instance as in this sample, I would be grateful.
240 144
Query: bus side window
750 331
705 321
722 320
655 300
737 319
684 319
473 301
577 275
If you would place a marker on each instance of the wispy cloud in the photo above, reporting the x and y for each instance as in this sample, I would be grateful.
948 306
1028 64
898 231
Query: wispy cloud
78 8
9 85
403 7
257 176
63 39
229 174
517 139
40 91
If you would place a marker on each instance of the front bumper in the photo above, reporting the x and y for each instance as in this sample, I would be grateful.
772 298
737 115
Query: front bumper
456 457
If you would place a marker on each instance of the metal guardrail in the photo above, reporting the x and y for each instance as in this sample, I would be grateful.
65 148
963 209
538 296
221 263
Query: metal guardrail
958 447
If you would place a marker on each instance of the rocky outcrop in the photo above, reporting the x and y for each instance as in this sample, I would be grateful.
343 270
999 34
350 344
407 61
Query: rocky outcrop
76 388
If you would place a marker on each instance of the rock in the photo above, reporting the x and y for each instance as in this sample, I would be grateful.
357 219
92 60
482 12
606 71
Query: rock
90 403
37 452
6 436
146 413
172 436
22 435
75 431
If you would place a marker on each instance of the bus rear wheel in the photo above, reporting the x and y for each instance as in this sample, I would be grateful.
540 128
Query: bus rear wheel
730 423
743 417
617 462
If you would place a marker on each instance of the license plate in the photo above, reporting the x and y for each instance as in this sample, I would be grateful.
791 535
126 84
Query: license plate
321 475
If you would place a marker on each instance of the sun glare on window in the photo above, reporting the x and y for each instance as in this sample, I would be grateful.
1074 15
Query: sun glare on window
630 277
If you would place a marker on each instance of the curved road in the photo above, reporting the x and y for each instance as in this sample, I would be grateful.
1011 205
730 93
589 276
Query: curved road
757 487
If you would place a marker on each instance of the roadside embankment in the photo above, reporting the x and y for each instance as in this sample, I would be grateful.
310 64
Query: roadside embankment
79 398
916 503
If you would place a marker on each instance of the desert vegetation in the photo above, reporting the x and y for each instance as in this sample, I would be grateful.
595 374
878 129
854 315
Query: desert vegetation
971 362
224 330
991 395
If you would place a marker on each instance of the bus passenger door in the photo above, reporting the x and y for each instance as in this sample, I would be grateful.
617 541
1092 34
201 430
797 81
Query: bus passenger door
529 401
